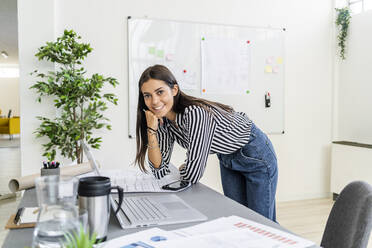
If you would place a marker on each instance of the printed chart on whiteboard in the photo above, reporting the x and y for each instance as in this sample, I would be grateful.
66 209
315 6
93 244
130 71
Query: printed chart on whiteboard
230 66
236 65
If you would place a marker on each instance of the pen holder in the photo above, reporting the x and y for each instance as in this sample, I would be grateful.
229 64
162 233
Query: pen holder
49 172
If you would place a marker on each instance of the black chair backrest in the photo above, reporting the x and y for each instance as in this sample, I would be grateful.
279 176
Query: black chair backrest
350 221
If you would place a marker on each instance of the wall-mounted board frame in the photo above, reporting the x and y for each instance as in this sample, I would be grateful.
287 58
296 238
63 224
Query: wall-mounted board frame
236 65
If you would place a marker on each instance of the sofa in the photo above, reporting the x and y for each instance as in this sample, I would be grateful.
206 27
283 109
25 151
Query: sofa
10 126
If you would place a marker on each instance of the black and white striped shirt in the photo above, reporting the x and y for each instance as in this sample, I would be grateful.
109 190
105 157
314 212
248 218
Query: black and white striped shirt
201 133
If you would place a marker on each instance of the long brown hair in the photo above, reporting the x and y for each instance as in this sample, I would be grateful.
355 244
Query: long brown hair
180 102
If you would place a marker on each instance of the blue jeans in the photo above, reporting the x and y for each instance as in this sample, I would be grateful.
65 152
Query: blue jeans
250 174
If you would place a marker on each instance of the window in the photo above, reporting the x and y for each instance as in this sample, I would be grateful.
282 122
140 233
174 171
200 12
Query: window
356 6
367 5
9 72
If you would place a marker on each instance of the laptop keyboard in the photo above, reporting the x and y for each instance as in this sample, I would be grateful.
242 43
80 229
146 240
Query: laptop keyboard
143 209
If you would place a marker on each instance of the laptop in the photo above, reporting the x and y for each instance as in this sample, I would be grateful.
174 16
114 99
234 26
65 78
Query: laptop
149 210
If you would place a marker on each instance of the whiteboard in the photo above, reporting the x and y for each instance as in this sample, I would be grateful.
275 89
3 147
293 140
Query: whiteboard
234 65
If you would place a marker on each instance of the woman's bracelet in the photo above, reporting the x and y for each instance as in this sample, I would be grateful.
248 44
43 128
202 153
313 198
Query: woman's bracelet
152 131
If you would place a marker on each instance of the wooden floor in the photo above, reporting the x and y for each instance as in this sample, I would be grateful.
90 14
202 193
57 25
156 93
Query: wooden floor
305 218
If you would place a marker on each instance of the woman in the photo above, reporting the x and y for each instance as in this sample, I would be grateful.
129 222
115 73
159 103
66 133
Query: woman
247 159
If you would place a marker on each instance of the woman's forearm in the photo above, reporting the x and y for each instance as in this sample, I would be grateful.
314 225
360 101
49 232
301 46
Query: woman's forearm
153 149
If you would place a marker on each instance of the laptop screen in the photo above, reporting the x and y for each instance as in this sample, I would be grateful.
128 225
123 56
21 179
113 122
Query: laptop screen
90 157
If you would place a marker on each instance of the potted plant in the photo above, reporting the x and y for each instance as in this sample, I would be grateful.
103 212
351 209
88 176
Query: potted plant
79 239
342 21
77 98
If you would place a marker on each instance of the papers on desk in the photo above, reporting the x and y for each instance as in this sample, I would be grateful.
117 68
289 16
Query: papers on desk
28 215
147 239
230 231
135 181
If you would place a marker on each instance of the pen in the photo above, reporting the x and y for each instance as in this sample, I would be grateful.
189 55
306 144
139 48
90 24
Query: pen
18 215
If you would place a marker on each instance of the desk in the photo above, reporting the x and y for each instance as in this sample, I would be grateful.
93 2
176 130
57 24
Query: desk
206 200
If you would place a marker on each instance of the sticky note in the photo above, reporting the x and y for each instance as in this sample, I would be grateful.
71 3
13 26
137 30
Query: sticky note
152 50
275 69
279 60
169 57
268 69
160 53
269 60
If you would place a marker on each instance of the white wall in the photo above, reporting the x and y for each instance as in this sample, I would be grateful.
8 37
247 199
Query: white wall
354 121
35 26
9 96
303 151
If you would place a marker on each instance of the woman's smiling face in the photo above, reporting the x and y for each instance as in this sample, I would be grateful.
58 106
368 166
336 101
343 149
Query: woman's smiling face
158 97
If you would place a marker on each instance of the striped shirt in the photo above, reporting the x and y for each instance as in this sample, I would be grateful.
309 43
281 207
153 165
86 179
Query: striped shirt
201 133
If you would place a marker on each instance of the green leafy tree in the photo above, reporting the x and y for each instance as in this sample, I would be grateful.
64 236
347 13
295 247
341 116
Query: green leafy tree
78 98
342 21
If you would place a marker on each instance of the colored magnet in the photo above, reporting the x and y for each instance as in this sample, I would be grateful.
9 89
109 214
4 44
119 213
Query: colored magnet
203 90
184 71
203 38
247 92
248 41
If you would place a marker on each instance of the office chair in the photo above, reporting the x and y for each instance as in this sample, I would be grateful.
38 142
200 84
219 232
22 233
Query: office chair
350 221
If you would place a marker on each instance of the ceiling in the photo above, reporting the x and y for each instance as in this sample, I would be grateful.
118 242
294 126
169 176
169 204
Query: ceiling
8 31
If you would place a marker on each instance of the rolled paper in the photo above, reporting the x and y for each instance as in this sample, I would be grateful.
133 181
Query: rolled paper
26 182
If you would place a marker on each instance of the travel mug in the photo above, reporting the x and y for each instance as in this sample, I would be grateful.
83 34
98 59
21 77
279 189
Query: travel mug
94 195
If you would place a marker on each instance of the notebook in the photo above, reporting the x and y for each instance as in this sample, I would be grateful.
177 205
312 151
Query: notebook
150 210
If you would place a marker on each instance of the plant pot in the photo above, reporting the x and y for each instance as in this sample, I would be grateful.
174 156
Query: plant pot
49 172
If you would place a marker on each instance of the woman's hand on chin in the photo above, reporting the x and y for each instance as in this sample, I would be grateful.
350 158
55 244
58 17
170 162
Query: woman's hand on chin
152 120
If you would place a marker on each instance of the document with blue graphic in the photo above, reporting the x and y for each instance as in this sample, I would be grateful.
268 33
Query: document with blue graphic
232 232
145 239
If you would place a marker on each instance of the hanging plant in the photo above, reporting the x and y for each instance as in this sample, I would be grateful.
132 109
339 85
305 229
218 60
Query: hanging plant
342 21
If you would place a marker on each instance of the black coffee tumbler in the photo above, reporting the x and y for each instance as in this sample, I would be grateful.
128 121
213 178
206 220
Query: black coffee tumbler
94 197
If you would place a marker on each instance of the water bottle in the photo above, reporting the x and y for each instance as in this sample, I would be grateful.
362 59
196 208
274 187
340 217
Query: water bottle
58 214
